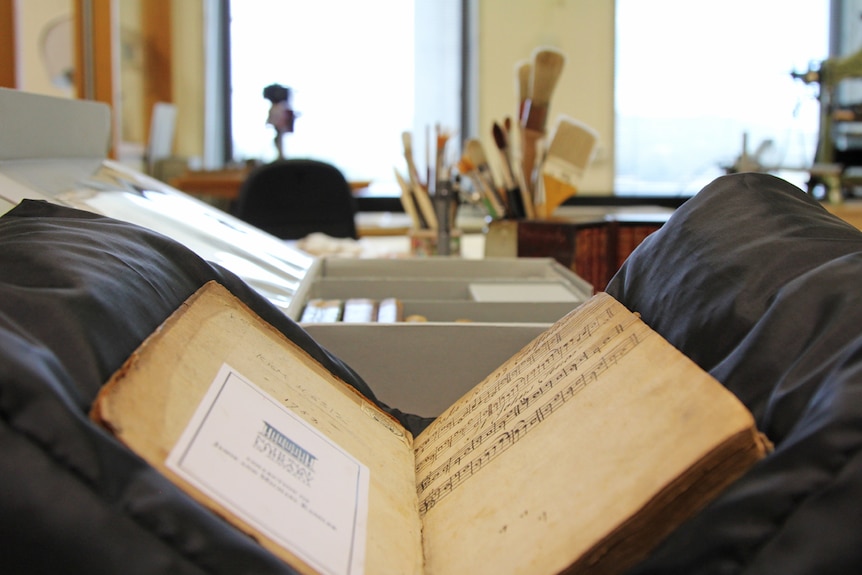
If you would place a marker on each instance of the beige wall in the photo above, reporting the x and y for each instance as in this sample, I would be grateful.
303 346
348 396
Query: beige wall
509 30
188 77
131 94
32 19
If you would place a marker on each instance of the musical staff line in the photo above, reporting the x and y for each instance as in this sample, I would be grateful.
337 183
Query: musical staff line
513 381
505 437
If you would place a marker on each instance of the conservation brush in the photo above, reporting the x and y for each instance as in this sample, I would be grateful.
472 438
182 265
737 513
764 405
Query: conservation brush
408 201
481 191
420 193
517 200
569 154
546 67
475 153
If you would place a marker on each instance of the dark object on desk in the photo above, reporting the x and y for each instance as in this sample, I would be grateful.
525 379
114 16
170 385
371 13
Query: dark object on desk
296 197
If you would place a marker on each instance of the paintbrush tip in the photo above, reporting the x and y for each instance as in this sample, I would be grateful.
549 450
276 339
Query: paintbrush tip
573 141
465 166
547 67
545 55
499 136
475 152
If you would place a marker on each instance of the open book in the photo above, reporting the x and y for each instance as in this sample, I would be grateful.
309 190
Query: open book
579 454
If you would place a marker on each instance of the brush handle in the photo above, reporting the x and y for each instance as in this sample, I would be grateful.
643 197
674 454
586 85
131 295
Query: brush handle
516 203
534 116
491 196
443 205
529 152
420 194
409 202
508 173
426 206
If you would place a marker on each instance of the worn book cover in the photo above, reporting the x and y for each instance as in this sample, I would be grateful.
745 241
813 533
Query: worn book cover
578 455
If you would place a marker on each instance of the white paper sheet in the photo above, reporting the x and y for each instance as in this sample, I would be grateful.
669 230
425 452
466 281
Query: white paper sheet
275 471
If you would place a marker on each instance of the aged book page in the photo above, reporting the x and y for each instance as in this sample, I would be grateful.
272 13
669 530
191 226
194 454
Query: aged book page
259 413
578 454
545 466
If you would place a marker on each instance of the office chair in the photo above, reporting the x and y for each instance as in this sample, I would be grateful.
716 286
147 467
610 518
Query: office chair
295 197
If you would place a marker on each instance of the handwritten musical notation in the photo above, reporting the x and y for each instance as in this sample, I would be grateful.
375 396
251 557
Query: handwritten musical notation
523 393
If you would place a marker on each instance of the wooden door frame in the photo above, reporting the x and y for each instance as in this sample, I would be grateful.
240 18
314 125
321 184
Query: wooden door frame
156 28
97 60
8 39
95 55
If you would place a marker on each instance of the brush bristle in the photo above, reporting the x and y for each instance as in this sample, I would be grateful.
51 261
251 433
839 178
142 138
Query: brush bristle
499 136
474 151
573 141
547 67
465 166
548 57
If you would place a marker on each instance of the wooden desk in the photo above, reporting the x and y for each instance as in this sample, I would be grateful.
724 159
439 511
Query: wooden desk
220 184
387 247
850 211
398 223
223 184
382 224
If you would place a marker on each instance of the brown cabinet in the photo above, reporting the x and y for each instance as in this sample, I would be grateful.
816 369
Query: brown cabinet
594 249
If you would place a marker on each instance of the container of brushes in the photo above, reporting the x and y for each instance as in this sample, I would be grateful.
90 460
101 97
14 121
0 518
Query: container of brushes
501 239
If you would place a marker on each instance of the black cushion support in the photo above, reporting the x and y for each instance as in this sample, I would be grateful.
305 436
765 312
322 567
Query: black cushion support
78 293
760 285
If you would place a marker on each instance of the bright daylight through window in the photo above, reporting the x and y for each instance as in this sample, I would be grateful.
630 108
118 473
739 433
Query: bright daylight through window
351 78
694 78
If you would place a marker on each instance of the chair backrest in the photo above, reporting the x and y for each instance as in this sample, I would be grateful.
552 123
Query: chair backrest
295 197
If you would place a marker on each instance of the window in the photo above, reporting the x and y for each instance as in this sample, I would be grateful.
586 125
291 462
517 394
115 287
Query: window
351 69
696 79
695 82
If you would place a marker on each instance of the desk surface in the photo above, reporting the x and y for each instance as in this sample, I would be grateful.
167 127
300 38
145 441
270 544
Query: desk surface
469 221
224 184
849 211
472 246
382 246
